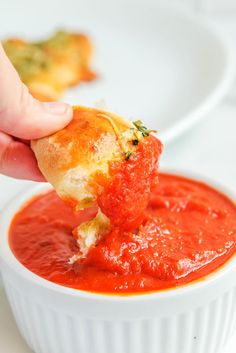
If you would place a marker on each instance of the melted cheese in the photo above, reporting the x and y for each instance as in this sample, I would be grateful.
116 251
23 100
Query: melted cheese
89 233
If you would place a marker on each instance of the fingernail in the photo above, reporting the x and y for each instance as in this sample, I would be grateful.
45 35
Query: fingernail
55 107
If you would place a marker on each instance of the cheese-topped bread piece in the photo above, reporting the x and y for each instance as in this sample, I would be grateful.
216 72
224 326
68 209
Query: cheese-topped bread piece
50 66
72 158
100 157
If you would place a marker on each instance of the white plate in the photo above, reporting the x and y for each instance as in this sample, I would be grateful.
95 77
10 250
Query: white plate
159 64
12 342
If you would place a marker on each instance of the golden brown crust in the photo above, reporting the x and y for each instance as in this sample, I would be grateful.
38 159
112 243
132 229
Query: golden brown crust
71 157
51 66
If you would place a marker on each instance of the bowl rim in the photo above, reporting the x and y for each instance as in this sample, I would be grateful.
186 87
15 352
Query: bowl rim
8 258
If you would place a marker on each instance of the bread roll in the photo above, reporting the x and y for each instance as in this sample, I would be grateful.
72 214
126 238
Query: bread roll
50 66
70 158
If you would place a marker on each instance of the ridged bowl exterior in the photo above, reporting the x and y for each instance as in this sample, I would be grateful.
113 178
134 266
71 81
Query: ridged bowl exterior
50 329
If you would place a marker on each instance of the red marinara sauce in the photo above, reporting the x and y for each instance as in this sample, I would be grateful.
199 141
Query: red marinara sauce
189 230
126 194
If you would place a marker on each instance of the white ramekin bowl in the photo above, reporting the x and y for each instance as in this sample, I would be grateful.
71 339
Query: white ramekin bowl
196 318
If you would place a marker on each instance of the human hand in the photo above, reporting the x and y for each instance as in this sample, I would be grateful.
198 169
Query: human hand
23 118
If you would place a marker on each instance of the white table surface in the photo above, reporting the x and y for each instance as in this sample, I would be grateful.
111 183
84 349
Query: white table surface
209 149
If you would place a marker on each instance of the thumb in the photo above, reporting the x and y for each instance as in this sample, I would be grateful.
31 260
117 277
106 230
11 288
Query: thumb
20 114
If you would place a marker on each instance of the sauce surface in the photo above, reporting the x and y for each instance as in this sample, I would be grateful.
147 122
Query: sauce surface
188 231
